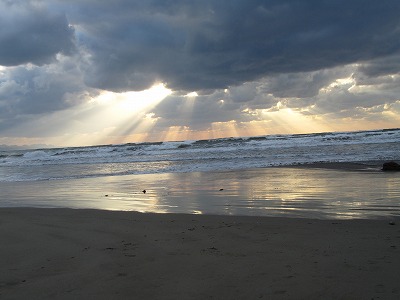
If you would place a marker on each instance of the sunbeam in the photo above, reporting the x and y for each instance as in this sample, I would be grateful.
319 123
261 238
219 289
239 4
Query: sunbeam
131 113
287 120
224 129
177 133
109 118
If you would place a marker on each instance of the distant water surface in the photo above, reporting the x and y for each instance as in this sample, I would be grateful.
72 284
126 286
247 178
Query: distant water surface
199 156
222 176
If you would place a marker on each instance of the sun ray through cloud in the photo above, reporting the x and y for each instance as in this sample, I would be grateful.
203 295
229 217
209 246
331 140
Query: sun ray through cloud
132 112
224 129
107 118
101 76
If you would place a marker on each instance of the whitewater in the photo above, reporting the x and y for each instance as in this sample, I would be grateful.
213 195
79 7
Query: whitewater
199 156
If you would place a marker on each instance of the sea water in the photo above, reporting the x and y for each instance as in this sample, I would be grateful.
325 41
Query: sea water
198 156
197 177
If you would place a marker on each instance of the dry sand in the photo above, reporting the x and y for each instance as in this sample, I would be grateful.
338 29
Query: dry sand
93 254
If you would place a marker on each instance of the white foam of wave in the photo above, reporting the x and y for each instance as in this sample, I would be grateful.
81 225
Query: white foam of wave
36 155
277 149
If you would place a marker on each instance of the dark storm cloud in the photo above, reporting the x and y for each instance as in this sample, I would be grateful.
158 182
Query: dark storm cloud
39 90
382 66
304 84
251 54
31 34
201 44
195 45
361 96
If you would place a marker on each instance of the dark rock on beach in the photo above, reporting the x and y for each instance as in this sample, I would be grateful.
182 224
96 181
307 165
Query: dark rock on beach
391 166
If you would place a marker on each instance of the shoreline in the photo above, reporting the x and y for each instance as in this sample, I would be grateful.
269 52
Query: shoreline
81 254
321 191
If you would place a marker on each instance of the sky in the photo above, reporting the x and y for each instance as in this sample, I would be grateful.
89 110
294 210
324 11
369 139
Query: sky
75 73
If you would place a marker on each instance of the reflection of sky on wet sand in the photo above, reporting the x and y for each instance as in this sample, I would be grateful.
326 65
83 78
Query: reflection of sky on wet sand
294 192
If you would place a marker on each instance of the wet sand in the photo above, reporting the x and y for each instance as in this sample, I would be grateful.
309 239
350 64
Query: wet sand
317 191
95 254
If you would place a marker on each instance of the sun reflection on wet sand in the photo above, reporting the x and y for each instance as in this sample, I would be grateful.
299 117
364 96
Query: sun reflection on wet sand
293 192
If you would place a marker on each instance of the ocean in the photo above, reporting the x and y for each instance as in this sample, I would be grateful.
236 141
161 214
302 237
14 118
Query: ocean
114 176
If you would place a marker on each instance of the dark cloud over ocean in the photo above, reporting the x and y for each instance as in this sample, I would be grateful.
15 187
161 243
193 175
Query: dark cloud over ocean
195 45
57 54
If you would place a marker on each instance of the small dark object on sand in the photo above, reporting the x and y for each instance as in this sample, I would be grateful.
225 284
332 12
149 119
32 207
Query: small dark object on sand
105 195
221 189
144 191
391 166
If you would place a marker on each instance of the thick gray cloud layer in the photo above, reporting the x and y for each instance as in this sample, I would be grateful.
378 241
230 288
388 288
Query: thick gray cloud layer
194 45
58 52
31 34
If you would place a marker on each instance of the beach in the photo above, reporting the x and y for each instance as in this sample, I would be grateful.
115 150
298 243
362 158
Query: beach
317 231
97 254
